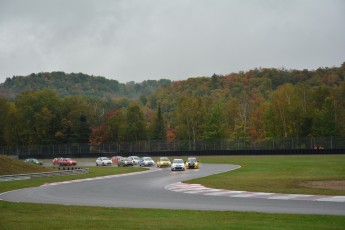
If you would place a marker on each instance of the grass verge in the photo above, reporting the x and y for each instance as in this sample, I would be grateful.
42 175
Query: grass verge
38 216
9 166
93 172
278 174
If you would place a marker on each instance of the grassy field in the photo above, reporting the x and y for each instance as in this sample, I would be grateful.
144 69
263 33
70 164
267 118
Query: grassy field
93 172
10 166
279 169
279 174
13 166
38 216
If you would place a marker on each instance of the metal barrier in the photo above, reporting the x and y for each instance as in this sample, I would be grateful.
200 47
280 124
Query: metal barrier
244 144
43 175
197 153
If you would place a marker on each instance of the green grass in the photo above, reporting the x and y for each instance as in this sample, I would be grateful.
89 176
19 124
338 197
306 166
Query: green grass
93 172
255 171
279 174
14 166
38 216
9 166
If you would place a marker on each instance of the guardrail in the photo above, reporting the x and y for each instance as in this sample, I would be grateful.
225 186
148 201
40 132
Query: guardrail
278 143
42 175
192 153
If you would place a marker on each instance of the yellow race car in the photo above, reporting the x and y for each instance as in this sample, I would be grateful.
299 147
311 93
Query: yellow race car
192 163
163 162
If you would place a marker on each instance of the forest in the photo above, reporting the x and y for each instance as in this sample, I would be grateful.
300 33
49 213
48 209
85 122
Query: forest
78 84
255 105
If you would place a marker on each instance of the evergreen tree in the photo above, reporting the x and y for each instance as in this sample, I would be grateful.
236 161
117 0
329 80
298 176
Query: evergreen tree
326 121
214 128
4 109
135 126
158 127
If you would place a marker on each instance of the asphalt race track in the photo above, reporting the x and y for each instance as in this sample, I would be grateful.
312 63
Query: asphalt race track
147 190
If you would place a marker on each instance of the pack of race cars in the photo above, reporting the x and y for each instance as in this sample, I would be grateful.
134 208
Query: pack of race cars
177 164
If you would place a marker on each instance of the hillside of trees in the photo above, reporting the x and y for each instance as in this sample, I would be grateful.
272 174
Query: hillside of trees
256 105
78 84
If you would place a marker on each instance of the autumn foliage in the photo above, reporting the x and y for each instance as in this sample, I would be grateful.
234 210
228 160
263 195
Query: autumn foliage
254 105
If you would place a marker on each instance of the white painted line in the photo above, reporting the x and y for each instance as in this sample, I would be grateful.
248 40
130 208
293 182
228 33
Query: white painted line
333 199
244 195
214 190
196 192
99 178
264 193
199 189
188 189
222 193
288 197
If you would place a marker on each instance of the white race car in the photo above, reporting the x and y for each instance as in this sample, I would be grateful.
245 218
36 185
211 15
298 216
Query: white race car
178 164
103 161
146 161
135 159
125 161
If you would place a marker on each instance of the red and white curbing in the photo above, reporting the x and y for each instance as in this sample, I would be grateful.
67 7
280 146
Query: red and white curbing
199 189
99 178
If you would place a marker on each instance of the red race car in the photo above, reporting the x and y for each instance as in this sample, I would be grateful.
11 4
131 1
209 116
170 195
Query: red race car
115 159
64 161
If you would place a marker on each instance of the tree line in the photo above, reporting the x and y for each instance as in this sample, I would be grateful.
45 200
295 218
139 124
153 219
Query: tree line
255 105
73 84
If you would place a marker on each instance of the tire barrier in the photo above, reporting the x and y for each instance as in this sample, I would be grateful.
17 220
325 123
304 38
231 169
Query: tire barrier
68 168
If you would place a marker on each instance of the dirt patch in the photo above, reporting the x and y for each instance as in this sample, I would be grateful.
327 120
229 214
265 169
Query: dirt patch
336 184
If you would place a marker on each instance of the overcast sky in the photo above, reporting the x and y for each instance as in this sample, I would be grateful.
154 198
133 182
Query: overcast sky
136 40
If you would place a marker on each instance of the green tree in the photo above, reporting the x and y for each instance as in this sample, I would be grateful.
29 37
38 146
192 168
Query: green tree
189 119
214 82
304 109
158 127
38 113
116 125
339 101
11 126
232 118
3 117
214 128
45 121
287 111
80 114
326 123
135 126
256 123
82 130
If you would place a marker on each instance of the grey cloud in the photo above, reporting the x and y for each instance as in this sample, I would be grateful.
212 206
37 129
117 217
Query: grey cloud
151 39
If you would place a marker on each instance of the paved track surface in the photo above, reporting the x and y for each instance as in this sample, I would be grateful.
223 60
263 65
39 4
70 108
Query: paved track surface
148 190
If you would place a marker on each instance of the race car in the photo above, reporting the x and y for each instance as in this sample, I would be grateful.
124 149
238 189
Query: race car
115 159
135 159
178 164
103 161
33 161
60 161
192 163
125 161
146 161
163 162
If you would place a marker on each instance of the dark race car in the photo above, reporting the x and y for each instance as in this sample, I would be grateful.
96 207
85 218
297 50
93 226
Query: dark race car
192 163
33 161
